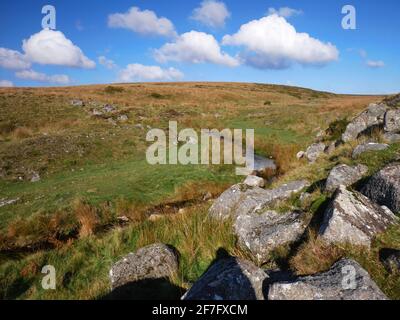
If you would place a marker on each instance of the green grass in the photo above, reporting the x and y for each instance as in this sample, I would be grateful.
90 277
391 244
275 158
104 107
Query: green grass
133 180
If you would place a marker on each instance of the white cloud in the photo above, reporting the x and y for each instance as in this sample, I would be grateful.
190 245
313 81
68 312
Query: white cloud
211 13
194 47
52 47
138 72
108 63
285 12
37 76
11 59
6 84
143 22
273 43
375 63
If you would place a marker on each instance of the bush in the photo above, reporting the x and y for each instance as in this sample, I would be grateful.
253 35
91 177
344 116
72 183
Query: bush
336 129
113 89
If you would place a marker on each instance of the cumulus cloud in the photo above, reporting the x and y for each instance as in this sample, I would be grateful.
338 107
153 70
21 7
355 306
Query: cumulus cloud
375 63
194 47
52 47
37 76
211 13
138 72
273 43
285 12
11 59
143 22
6 84
108 63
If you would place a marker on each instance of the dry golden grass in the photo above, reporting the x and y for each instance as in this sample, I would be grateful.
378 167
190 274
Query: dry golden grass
87 218
314 256
21 133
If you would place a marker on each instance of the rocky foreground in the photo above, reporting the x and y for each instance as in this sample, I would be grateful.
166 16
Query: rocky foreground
356 214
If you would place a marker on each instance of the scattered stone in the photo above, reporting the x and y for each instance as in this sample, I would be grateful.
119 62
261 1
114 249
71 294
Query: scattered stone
139 126
96 112
7 202
344 175
108 108
369 146
392 137
35 177
156 261
384 187
123 118
261 234
390 259
254 181
77 103
300 155
352 217
314 151
241 199
123 219
392 121
229 279
329 285
370 118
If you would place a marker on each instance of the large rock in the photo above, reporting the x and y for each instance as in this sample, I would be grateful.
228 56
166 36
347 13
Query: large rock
254 181
156 261
344 175
314 151
392 137
242 200
372 117
346 280
367 147
352 217
229 279
393 101
261 234
390 258
392 120
384 187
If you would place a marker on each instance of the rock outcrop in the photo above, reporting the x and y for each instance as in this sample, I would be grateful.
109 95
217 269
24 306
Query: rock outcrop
261 234
367 147
241 199
155 261
346 280
384 187
391 137
344 175
229 279
254 181
372 117
392 121
314 151
351 217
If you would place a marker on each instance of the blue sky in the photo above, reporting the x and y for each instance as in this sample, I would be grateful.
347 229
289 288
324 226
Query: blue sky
176 43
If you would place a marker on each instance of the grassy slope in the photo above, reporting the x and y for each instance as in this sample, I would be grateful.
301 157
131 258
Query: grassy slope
105 163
